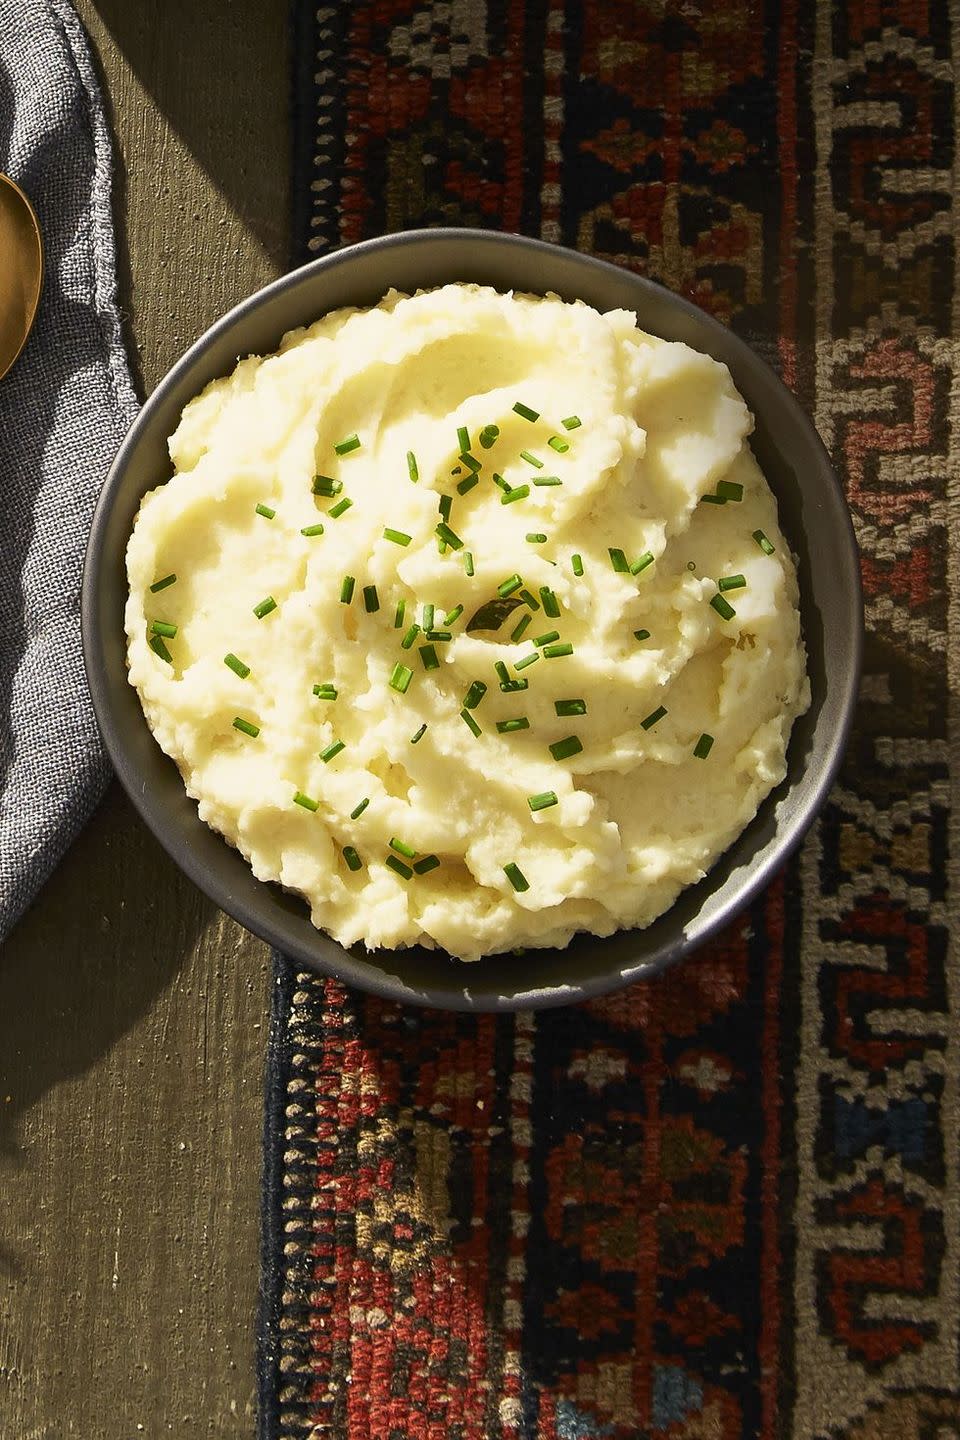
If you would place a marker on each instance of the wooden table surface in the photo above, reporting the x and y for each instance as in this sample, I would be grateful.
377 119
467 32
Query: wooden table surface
133 1015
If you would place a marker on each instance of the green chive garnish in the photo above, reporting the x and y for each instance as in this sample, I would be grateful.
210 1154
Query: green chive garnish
563 749
641 563
507 587
507 727
426 619
441 636
619 561
641 634
358 810
557 442
446 505
325 485
470 462
501 670
309 530
246 726
400 678
452 616
167 580
399 614
555 652
325 691
499 481
397 865
653 717
489 436
401 847
341 508
731 582
347 587
547 638
531 459
703 746
428 657
516 877
304 800
577 562
526 412
519 492
713 500
763 542
332 751
265 511
352 858
468 561
551 606
542 480
158 646
410 636
469 721
265 607
730 490
344 447
164 628
527 660
543 801
412 467
517 632
448 536
572 422
463 437
535 538
418 735
428 863
465 486
570 707
371 600
529 599
399 537
722 607
474 695
237 666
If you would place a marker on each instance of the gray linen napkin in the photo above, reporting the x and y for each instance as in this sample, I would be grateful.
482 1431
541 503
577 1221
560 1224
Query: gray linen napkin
63 412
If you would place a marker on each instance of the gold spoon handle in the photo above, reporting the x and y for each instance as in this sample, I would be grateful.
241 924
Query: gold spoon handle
21 270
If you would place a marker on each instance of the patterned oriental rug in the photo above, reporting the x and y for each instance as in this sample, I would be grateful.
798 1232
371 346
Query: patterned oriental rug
724 1203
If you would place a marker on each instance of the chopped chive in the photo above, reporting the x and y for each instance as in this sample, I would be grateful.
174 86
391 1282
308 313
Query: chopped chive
535 537
162 584
246 726
325 691
452 616
399 537
507 727
489 436
641 563
519 492
547 480
563 749
509 686
347 587
722 607
531 459
164 628
730 490
653 718
619 561
448 536
266 607
470 462
557 442
517 632
763 542
399 614
468 561
429 658
507 587
413 469
499 481
309 530
731 582
703 746
400 678
713 500
465 486
158 646
530 659
341 508
516 877
446 505
304 800
543 801
410 636
576 562
501 669
469 721
265 511
371 600
418 735
326 485
556 652
428 863
397 865
344 447
641 634
570 707
352 858
546 638
426 619
551 606
463 437
332 751
525 411
358 810
442 637
474 695
237 666
401 847
572 422
529 599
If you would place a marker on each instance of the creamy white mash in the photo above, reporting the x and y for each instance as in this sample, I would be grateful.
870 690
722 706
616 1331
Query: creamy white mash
615 578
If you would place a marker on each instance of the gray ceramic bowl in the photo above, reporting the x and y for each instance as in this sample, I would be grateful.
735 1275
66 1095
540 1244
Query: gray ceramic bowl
813 516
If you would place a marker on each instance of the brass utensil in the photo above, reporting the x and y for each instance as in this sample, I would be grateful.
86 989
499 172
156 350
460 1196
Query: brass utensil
21 271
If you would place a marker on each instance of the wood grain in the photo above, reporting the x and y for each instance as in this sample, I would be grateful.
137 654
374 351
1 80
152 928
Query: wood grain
133 1015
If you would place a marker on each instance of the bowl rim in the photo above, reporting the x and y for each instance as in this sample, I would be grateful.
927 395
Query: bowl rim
366 974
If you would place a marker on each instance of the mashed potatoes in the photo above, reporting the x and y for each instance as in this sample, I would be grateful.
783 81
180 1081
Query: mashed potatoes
468 618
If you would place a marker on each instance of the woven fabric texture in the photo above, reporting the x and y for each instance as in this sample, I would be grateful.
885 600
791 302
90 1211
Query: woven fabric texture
724 1203
63 411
